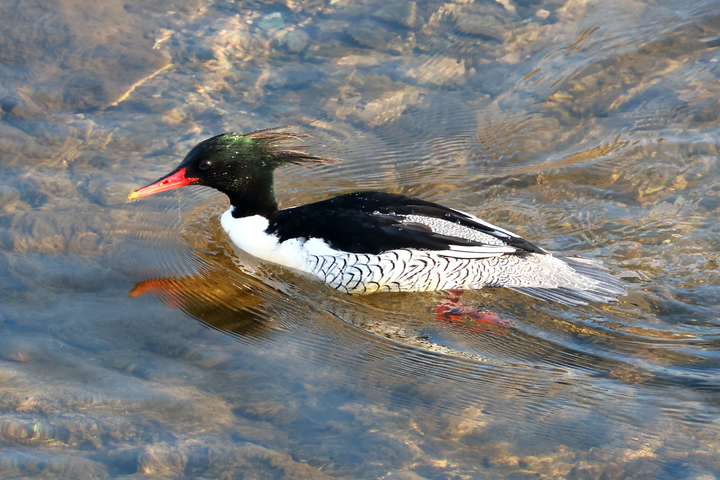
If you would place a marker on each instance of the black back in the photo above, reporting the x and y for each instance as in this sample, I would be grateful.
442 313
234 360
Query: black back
371 222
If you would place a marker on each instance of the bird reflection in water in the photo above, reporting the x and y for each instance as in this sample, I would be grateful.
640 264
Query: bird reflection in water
232 292
226 304
213 298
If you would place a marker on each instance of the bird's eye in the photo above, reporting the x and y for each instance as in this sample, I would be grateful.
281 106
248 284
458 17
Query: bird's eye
205 164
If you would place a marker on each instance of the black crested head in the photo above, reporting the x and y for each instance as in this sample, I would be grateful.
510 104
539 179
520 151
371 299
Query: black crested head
240 165
230 162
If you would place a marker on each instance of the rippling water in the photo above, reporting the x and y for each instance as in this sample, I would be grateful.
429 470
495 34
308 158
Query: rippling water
136 340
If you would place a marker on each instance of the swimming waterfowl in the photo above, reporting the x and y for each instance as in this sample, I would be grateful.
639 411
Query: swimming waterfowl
367 242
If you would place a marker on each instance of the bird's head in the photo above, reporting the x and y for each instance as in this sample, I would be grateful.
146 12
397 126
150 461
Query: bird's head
236 164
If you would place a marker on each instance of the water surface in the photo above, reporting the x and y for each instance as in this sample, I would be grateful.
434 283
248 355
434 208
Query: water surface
138 343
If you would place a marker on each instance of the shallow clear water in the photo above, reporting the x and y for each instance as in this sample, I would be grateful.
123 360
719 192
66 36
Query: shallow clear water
137 342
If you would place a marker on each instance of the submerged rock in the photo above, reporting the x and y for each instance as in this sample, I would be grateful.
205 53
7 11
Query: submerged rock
484 25
404 13
272 21
30 464
439 71
371 34
294 41
8 196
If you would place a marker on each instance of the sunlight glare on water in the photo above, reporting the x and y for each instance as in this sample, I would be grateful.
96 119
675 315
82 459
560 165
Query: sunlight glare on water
138 340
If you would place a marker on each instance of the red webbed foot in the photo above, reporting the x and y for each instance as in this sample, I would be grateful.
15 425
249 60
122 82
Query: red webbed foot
451 311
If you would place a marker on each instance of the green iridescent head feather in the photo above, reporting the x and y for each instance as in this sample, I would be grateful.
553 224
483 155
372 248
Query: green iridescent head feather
273 147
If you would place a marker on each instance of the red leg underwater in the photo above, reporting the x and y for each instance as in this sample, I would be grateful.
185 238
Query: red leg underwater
451 311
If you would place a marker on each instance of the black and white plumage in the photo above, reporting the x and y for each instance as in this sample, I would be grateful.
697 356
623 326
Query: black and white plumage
369 242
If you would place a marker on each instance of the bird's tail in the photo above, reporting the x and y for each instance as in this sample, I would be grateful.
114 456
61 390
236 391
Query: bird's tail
569 280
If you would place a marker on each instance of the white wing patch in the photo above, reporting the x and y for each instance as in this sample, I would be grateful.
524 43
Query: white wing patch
451 229
484 251
498 230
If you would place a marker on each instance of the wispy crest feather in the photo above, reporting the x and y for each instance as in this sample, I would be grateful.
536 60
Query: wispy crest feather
273 141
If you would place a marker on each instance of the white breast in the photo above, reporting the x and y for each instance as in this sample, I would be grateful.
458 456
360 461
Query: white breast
249 234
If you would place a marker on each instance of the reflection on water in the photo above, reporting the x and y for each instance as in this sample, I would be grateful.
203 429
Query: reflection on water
588 127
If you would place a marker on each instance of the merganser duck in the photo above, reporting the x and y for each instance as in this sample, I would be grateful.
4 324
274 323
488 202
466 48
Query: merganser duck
367 242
